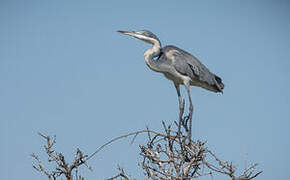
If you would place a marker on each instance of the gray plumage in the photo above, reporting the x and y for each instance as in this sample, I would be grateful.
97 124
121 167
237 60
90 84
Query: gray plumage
177 65
173 59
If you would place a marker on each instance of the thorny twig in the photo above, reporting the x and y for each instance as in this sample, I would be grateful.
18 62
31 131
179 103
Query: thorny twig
121 137
122 175
62 167
170 156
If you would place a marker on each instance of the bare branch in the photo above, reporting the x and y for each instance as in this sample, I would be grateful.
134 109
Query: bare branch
173 156
62 167
120 137
122 175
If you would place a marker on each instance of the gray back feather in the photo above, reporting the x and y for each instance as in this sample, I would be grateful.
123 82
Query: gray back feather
189 65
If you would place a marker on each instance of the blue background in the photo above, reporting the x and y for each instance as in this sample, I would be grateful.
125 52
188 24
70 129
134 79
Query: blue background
65 71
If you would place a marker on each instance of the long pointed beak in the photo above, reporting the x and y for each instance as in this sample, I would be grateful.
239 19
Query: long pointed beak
127 33
138 36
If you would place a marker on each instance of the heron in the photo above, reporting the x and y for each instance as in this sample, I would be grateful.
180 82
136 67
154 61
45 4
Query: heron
179 66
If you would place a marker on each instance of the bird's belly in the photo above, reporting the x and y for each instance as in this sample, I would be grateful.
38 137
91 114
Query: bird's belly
175 79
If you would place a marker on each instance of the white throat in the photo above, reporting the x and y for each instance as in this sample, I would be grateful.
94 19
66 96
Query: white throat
150 54
154 51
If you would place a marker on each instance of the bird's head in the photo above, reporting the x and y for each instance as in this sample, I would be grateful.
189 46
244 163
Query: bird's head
143 35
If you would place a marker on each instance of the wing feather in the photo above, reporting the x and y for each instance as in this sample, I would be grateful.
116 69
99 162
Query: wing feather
188 65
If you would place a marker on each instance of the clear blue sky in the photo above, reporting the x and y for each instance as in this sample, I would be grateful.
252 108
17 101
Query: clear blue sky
65 71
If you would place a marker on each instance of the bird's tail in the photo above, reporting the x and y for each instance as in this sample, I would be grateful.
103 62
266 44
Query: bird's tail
219 84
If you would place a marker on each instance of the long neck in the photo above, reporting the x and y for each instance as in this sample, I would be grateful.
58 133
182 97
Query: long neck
150 54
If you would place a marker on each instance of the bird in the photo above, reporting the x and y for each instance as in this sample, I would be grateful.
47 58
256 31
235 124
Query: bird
177 65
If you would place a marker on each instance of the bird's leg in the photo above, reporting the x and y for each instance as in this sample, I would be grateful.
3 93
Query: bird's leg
190 111
181 107
181 111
